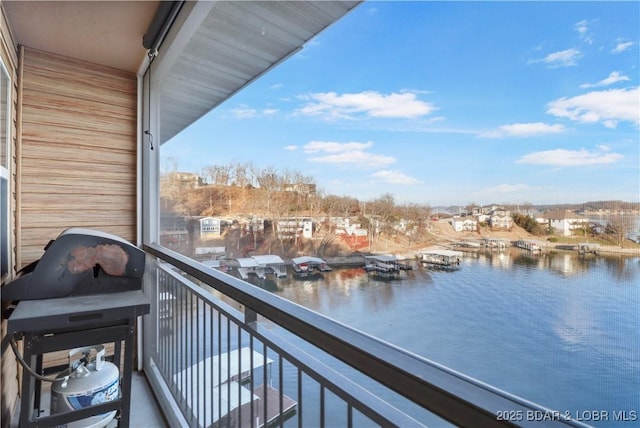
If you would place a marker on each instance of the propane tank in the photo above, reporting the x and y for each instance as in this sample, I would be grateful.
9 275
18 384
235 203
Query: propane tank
88 381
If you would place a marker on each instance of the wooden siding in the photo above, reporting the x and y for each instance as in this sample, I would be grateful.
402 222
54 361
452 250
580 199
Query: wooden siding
77 150
9 379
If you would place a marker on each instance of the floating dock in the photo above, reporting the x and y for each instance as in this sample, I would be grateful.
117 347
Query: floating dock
216 390
307 266
530 245
271 264
384 266
585 248
441 259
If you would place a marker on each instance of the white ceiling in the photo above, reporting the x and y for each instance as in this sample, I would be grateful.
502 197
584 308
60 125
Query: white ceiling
225 44
106 33
233 43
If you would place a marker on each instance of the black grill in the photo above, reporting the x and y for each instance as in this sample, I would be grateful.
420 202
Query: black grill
86 289
79 262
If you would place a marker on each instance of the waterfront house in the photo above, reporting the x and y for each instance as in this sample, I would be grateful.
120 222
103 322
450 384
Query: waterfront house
566 222
90 91
210 227
294 228
498 221
464 224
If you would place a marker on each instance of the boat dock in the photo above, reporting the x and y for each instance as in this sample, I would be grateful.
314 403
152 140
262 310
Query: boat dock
384 266
496 243
248 266
307 266
216 389
271 264
380 264
585 248
437 258
269 396
530 245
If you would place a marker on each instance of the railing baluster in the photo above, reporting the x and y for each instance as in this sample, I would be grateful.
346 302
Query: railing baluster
321 406
209 421
240 370
228 367
189 348
219 353
265 391
300 402
281 390
195 366
252 385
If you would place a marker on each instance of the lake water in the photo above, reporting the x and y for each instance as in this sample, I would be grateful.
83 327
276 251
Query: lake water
558 329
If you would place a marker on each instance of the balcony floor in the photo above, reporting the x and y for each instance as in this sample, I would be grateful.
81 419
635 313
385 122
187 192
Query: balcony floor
145 411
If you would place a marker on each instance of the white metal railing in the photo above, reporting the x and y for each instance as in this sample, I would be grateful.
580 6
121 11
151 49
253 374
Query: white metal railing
222 352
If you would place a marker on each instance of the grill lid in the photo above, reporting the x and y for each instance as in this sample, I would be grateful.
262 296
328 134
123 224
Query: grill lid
79 262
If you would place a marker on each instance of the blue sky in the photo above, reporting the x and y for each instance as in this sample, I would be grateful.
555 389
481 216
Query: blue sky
444 103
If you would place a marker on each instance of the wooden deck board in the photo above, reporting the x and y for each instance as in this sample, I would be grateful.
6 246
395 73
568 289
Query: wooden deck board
272 397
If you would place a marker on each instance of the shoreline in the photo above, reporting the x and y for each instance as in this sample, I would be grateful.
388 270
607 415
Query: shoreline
356 260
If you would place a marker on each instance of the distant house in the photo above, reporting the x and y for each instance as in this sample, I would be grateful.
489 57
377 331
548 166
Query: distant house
500 211
497 221
566 222
292 228
184 179
210 227
464 224
483 218
173 229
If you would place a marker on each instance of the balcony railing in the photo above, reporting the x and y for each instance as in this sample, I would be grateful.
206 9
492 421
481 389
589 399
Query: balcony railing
221 352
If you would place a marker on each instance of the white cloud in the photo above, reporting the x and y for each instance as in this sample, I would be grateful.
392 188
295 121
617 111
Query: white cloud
291 148
359 159
348 154
524 130
609 107
334 147
565 58
243 112
621 47
246 112
563 157
582 28
368 104
614 77
395 177
508 188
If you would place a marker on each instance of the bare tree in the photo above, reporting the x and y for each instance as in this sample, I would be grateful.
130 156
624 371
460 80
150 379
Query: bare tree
619 228
416 216
218 174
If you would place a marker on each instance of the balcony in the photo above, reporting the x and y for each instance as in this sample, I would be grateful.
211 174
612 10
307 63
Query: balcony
217 351
221 352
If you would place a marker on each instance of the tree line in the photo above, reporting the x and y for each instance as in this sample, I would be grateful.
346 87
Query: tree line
242 188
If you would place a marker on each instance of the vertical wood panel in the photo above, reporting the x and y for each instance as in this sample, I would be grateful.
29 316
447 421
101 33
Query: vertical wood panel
78 150
8 368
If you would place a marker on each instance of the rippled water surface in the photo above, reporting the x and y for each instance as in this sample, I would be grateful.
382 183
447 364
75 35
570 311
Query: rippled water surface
558 329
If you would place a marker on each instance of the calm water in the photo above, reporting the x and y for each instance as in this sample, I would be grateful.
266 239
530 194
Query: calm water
558 329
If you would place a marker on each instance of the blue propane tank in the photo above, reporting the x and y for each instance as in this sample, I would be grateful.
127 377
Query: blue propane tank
88 381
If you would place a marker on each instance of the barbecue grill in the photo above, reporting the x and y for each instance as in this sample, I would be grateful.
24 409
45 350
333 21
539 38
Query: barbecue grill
79 262
85 290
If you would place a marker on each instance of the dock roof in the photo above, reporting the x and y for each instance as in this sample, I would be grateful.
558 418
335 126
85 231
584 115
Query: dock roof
246 262
268 259
307 259
441 252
